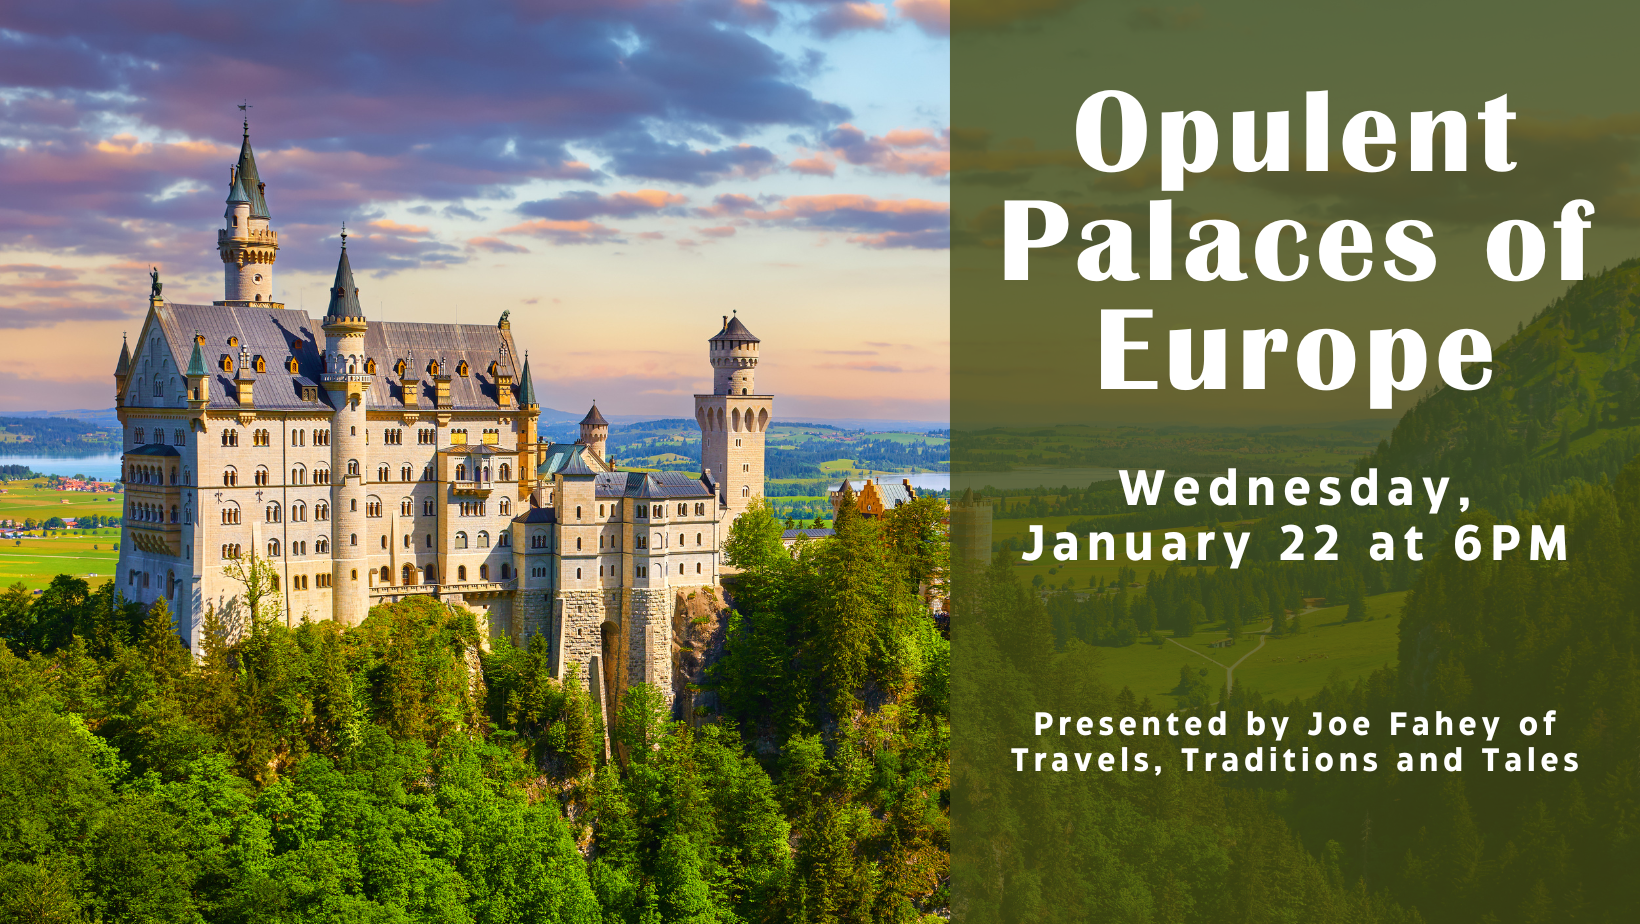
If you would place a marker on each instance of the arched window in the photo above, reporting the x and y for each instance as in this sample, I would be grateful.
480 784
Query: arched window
506 472
353 539
407 507
506 572
382 472
273 513
261 475
697 538
387 575
461 472
697 567
484 572
322 546
483 539
430 574
352 466
745 490
506 507
577 543
461 572
298 475
321 511
405 473
461 540
504 539
273 548
230 477
538 540
409 573
179 438
298 512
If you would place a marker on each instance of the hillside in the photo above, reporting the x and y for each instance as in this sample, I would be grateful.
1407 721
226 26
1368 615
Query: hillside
52 435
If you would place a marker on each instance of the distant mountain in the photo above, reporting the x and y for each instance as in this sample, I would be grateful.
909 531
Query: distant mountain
105 418
1564 403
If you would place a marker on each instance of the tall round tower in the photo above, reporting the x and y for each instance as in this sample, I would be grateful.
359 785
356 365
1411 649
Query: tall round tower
734 359
594 431
349 387
246 244
734 418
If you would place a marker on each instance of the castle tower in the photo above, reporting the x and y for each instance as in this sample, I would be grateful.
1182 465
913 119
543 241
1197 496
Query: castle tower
734 418
345 379
594 431
246 244
527 432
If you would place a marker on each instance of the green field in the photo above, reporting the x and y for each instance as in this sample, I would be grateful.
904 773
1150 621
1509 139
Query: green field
1298 665
24 499
35 560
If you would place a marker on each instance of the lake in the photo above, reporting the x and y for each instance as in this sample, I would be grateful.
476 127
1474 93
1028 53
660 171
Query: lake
105 467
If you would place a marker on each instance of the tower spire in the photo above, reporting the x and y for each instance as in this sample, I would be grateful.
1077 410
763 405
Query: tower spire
344 295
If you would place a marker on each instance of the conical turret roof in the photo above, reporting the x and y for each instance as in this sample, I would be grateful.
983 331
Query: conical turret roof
247 176
526 388
236 192
124 367
593 418
196 362
344 295
734 330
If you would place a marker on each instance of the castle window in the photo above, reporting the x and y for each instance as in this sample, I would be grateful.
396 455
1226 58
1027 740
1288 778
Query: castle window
506 571
382 471
538 541
322 546
352 466
483 539
384 542
427 507
697 567
290 365
461 369
179 438
298 512
577 574
484 572
504 540
683 510
657 513
230 478
373 507
461 472
506 507
745 490
261 476
321 511
461 572
577 513
461 540
272 513
353 539
431 574
398 368
746 467
409 574
600 510
370 367
404 473
506 472
273 548
429 540
259 364
407 507
139 435
697 538
641 571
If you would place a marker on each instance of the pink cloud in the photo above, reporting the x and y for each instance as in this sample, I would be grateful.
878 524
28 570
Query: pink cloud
719 232
900 151
849 17
931 16
564 232
495 245
818 165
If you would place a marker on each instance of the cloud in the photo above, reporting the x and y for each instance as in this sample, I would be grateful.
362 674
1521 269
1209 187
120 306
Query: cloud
495 245
588 204
393 227
901 151
818 165
565 232
875 223
657 160
848 17
721 231
728 204
931 16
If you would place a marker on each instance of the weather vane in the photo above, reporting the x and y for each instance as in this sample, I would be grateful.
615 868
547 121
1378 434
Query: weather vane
243 106
344 235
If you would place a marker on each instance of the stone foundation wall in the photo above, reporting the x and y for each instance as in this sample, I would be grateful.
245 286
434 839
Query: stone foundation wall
649 640
577 629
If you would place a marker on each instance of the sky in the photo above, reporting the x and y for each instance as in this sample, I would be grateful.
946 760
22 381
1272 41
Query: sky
618 174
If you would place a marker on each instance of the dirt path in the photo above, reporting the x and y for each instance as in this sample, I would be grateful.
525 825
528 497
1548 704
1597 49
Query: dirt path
1230 669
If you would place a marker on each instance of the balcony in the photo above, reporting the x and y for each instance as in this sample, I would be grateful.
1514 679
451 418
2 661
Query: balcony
472 488
156 538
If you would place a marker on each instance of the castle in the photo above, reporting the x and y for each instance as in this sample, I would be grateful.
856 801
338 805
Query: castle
370 461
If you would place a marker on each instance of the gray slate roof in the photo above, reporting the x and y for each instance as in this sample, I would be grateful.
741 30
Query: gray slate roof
651 485
276 334
809 532
893 493
734 330
246 174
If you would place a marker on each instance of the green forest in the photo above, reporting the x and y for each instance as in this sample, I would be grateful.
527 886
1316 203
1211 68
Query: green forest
403 770
1551 440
